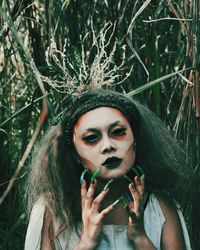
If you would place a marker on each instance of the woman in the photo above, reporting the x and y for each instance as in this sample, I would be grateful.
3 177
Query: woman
130 170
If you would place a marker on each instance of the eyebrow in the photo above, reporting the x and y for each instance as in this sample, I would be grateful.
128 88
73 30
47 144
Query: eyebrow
96 129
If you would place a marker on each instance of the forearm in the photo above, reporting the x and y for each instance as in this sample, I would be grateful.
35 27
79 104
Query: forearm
143 242
80 246
85 245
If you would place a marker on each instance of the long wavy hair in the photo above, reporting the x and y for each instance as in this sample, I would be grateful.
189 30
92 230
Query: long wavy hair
54 172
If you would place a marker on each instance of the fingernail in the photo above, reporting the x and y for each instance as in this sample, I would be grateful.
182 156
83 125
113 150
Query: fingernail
142 177
115 203
140 169
128 197
107 184
133 185
94 175
93 181
83 175
123 201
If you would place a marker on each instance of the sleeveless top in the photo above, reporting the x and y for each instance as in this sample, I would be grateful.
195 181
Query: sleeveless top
113 236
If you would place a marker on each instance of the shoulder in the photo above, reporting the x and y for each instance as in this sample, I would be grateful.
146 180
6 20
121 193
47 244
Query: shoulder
47 234
40 225
167 205
172 234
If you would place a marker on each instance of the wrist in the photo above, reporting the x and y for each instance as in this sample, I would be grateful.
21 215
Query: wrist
85 244
142 241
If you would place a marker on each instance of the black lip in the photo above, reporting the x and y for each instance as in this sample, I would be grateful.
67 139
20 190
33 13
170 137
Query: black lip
112 162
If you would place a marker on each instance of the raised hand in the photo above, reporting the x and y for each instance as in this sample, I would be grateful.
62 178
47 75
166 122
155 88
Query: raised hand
91 217
136 210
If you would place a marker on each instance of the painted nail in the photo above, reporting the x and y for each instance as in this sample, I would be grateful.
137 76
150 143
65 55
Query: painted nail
107 184
133 186
143 177
83 175
123 201
129 179
115 203
141 170
137 178
94 175
136 171
128 197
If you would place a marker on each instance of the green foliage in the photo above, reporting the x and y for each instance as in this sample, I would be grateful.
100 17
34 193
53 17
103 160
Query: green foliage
162 46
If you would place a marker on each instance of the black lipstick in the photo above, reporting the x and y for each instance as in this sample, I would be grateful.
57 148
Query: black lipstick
112 162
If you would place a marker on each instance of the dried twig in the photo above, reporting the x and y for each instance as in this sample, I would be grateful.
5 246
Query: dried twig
102 71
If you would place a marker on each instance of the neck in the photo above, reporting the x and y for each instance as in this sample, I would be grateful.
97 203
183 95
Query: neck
116 187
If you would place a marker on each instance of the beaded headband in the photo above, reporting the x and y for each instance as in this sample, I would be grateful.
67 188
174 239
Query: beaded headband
94 99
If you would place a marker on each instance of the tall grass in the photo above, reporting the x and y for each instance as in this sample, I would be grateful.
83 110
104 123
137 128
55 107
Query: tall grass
162 45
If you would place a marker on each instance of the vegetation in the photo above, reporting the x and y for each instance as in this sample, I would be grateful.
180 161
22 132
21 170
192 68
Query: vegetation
161 43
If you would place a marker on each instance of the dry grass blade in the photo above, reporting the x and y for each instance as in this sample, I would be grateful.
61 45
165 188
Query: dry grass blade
27 152
141 9
44 112
154 82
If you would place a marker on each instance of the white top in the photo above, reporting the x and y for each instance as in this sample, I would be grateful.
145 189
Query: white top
113 236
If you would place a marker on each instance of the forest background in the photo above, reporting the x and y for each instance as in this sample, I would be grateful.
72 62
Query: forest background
155 44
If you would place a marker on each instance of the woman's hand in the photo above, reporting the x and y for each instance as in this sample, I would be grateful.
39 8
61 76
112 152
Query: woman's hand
92 218
136 231
136 210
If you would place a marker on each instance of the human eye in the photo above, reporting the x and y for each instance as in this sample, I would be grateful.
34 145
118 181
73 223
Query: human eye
119 131
91 139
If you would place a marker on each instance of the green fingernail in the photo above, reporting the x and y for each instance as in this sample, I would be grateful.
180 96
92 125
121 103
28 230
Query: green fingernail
83 175
136 171
129 179
123 201
94 175
141 170
107 184
133 185
115 203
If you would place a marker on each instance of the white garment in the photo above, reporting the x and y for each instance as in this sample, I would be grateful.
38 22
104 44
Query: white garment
113 236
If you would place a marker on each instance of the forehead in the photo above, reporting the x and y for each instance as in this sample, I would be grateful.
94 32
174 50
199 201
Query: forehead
100 117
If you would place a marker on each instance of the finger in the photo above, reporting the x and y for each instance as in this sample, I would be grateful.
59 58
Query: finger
90 195
131 205
142 181
132 217
97 201
138 185
135 206
83 193
105 212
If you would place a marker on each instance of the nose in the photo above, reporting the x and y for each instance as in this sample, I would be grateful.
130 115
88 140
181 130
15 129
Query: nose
107 145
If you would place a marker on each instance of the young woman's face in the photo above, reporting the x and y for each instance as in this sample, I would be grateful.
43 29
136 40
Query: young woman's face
104 140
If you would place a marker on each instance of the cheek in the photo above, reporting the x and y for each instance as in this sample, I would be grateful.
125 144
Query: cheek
126 145
80 149
130 156
78 145
85 152
131 152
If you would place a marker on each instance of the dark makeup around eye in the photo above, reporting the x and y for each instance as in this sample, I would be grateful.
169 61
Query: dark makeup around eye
91 135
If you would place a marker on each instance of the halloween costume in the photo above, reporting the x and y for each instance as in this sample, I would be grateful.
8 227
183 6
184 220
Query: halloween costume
113 236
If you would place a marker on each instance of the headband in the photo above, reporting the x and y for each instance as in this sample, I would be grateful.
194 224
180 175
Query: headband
93 99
